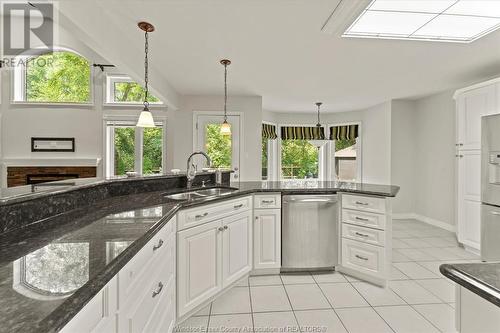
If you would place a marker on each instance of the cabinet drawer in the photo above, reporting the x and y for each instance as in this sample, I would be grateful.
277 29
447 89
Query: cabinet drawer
195 216
364 219
363 257
367 235
144 312
140 269
364 203
267 200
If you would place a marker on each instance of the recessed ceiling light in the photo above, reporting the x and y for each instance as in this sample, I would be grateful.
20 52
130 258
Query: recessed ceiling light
439 20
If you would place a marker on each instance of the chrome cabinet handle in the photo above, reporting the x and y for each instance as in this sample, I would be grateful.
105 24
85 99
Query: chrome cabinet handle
362 235
495 213
158 290
220 228
160 243
362 203
360 257
238 206
267 201
226 227
361 218
200 216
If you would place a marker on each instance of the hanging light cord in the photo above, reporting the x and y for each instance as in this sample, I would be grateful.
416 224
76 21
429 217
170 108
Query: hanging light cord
146 78
225 92
318 124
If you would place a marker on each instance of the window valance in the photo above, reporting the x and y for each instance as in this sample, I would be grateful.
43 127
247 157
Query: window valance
345 132
269 132
302 133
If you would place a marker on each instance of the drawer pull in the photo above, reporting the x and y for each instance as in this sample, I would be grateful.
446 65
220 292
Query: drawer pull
238 206
201 215
360 257
362 203
220 228
160 243
267 201
226 227
361 219
158 290
360 234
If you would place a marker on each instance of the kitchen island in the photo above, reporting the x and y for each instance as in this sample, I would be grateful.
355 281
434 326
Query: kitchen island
60 249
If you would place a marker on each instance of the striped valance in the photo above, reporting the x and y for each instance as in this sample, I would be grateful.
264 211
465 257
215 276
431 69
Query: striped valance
269 132
345 132
302 133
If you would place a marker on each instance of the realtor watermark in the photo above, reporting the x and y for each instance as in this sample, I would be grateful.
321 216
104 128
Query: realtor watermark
28 29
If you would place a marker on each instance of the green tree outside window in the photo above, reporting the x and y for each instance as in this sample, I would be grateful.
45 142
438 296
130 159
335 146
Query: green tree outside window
299 159
218 146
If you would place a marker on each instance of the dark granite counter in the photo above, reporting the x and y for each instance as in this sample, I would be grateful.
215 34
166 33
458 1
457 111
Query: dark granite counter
482 279
51 268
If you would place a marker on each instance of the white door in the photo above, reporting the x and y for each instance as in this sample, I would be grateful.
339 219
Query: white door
469 198
223 150
236 247
472 105
199 265
267 238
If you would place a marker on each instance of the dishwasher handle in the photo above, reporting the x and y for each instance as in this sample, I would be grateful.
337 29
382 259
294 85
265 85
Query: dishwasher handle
311 200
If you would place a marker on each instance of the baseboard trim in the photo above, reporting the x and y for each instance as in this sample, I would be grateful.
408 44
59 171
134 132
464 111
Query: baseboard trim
425 219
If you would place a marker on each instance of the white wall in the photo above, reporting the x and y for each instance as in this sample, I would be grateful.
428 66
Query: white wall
403 155
180 130
375 136
435 157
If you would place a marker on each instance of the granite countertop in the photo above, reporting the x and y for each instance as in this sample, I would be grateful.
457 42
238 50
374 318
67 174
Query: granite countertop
50 269
482 279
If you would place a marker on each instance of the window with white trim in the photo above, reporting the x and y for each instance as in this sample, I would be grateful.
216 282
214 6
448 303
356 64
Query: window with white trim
121 89
134 149
55 77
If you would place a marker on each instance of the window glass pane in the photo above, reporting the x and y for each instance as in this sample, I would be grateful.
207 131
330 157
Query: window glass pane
218 146
131 92
265 152
58 77
345 160
299 159
152 150
124 150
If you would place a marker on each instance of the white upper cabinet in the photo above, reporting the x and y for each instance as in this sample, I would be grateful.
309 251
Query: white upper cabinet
471 106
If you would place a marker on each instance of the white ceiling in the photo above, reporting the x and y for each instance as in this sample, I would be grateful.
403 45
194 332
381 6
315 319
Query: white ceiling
279 52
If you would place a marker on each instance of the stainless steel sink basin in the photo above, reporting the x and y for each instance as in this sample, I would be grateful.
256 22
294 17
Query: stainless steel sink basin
183 196
212 192
201 194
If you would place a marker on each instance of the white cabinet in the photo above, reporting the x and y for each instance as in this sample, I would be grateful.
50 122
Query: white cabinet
475 314
267 238
213 255
471 104
469 199
365 237
236 247
198 265
98 315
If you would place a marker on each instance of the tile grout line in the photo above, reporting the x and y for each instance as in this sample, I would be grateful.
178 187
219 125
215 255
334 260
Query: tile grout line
251 305
289 302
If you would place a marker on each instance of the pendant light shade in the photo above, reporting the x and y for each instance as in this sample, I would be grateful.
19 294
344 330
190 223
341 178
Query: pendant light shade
225 128
146 117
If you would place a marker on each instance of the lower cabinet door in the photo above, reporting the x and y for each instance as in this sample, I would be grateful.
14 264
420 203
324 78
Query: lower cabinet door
199 265
267 238
236 247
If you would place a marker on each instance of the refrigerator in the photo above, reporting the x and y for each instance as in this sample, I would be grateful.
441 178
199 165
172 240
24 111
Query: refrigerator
490 188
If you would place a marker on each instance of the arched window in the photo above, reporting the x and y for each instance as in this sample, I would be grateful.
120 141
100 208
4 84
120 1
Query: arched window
56 77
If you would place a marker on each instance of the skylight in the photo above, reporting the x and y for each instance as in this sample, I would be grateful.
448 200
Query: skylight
436 20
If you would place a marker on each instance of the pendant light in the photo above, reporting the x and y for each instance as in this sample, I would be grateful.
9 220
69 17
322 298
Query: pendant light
146 118
225 128
318 104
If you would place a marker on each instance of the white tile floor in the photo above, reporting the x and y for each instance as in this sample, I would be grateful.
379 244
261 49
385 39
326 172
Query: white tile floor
419 299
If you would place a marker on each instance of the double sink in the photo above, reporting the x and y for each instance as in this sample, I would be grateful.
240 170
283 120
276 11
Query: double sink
202 193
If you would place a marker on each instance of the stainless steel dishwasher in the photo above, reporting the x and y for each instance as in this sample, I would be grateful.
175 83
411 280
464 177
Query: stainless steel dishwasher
309 233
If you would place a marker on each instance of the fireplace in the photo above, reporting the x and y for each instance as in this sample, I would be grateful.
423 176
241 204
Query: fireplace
18 176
